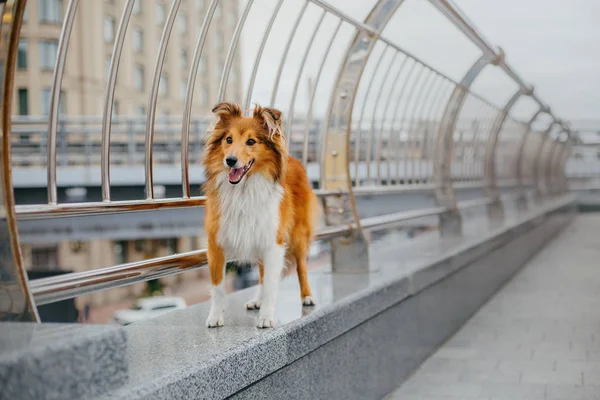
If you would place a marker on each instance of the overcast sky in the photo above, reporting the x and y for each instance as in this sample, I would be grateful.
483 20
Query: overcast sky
552 44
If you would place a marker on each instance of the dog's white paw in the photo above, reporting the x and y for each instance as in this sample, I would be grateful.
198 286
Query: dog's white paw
308 301
252 304
215 320
266 321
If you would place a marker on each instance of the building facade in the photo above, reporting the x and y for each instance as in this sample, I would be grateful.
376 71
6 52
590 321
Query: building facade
91 47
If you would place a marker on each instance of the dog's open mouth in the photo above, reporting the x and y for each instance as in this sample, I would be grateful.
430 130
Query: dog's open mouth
236 174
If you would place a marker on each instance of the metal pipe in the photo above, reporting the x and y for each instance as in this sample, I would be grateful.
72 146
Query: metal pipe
153 100
57 77
422 115
259 54
232 49
285 53
189 97
313 92
360 120
300 70
374 118
398 136
413 122
417 82
12 269
385 113
110 96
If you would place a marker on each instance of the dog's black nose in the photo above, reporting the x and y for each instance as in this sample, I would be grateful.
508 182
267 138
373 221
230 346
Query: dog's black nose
231 160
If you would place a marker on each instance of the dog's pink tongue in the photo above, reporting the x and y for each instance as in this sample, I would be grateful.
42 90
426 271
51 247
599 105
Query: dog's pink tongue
235 174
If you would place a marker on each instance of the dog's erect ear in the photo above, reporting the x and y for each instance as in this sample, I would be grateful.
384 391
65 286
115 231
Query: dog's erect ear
271 119
227 111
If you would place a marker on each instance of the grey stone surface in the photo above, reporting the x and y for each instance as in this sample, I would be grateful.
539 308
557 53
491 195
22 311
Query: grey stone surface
60 361
176 356
366 361
543 328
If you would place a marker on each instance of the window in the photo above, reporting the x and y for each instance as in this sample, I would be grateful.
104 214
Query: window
138 40
45 98
109 29
115 108
137 7
219 41
23 101
138 77
200 4
203 96
183 58
160 13
141 110
48 50
107 66
22 55
164 85
182 24
120 252
50 11
183 88
218 13
44 258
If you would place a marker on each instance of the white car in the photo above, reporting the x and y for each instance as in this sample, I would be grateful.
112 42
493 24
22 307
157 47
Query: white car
148 307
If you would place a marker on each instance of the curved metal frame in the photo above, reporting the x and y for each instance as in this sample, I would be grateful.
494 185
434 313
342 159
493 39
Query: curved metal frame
16 299
537 163
490 179
450 221
521 200
335 172
427 97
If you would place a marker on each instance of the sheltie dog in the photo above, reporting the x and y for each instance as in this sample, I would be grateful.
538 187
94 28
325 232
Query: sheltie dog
260 207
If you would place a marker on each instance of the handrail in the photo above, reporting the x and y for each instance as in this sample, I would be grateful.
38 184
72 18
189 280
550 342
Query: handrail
394 125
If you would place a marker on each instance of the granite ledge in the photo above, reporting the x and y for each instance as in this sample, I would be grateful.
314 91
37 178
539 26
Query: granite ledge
175 356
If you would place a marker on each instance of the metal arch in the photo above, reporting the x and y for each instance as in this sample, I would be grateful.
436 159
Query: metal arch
153 100
259 54
189 97
109 98
59 69
537 161
232 50
521 200
490 178
551 161
16 300
450 221
314 92
335 167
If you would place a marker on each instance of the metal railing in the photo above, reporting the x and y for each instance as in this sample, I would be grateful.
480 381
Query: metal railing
394 124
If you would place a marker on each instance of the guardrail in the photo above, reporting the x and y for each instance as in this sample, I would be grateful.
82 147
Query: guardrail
398 127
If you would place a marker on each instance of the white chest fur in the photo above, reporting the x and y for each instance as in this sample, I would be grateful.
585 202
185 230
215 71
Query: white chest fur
249 217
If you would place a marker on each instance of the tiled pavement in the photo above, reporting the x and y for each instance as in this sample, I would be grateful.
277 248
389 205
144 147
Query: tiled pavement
538 338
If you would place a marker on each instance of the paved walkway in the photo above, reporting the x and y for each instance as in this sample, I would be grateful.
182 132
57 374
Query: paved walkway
538 338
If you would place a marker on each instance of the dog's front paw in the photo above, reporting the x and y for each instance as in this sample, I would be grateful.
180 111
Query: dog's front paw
215 320
308 301
253 304
266 321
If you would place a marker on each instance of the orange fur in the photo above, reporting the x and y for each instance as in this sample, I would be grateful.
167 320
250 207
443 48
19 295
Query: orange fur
271 159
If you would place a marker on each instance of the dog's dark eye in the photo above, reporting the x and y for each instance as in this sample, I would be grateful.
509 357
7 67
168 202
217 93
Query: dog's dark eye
229 140
251 142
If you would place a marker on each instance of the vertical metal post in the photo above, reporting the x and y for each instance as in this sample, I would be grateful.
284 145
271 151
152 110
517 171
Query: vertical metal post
537 163
521 200
450 220
555 150
490 178
16 301
348 254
